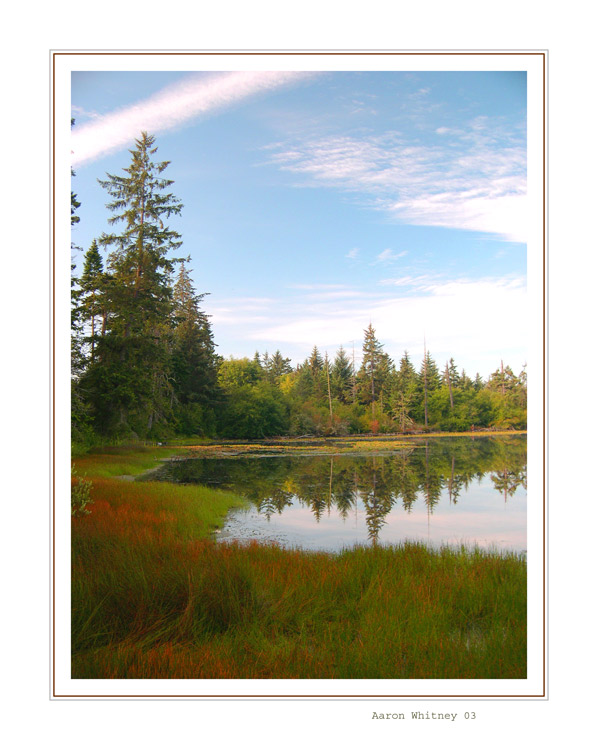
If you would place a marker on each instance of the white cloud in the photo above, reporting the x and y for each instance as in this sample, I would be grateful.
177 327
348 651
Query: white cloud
477 322
173 106
316 286
477 182
81 112
414 282
341 294
388 255
352 254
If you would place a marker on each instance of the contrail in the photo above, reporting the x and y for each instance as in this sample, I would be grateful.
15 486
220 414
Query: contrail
171 107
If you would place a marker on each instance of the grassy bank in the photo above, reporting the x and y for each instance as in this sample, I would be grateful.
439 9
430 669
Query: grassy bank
123 461
154 597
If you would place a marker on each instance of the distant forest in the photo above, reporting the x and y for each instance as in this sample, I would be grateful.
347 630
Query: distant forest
144 362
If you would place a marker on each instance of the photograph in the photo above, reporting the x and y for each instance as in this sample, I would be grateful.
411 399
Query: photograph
298 315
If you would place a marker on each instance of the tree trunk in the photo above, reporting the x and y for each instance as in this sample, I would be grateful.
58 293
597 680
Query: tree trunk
328 381
425 387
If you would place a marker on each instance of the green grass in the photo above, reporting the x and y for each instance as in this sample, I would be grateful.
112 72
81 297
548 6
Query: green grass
154 597
122 461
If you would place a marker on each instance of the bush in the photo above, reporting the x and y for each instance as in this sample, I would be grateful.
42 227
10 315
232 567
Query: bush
80 494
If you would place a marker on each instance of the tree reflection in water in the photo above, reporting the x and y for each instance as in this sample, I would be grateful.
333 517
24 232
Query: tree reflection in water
426 469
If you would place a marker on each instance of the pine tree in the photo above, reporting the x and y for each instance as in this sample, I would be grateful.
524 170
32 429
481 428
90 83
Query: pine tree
279 366
75 204
81 431
428 381
318 376
316 363
341 375
77 359
132 389
406 375
449 383
92 304
375 368
194 359
327 370
402 397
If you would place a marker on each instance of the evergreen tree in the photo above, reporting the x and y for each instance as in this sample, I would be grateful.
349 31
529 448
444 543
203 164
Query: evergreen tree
279 366
75 204
316 363
132 390
258 362
92 304
375 368
406 375
194 359
341 374
318 376
81 430
452 380
428 381
77 359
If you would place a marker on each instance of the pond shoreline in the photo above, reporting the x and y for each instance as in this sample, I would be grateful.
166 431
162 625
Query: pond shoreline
446 491
346 445
259 611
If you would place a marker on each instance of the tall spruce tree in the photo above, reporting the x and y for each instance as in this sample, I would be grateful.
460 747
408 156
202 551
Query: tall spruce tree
318 375
341 376
279 366
194 360
406 375
132 390
77 359
428 382
81 431
375 368
92 304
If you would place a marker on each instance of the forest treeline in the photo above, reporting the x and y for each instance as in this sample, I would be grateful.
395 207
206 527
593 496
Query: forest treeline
144 361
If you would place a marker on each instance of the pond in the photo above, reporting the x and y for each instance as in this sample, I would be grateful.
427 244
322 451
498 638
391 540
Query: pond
439 491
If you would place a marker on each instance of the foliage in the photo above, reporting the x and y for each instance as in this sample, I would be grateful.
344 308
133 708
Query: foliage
144 361
254 411
153 597
80 494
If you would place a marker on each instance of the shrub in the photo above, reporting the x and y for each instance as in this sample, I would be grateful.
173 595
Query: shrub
80 494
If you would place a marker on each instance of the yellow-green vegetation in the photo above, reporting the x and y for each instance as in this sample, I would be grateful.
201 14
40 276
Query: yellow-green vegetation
122 461
317 446
154 597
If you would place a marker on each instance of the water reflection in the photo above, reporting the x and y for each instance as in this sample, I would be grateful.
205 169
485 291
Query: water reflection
375 488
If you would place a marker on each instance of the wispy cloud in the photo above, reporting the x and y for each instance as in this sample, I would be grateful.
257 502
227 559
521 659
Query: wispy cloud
85 113
388 255
420 283
172 107
352 254
476 180
311 287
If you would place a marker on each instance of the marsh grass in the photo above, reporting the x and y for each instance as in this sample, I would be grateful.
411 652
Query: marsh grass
122 461
154 597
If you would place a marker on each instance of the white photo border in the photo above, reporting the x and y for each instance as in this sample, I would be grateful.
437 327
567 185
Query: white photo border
62 63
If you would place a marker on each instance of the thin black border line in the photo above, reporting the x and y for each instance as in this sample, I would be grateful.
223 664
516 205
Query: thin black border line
541 53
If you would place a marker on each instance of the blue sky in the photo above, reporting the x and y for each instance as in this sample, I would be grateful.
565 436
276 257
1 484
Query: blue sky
316 203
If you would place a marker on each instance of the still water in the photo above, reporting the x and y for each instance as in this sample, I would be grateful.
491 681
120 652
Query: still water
439 491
